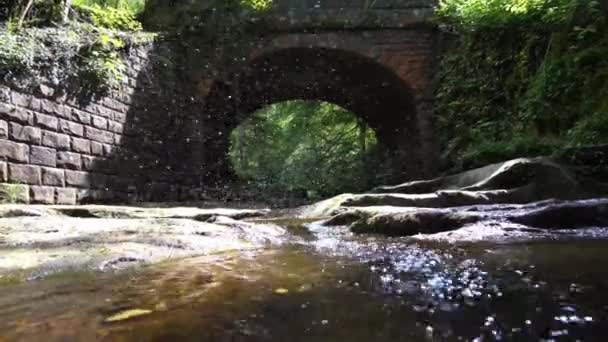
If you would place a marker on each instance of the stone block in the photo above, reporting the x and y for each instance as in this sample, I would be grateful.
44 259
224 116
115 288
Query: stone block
14 151
46 121
14 193
96 148
57 141
25 100
81 145
99 135
78 179
20 115
89 163
26 174
71 128
80 116
99 122
56 109
65 196
69 160
42 194
43 156
54 177
87 196
115 127
118 139
3 172
107 150
45 90
3 129
29 134
5 94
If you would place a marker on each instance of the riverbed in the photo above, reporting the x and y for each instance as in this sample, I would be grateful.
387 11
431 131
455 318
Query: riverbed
328 284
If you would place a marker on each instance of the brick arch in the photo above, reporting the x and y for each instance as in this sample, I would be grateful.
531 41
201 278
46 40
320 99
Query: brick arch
352 80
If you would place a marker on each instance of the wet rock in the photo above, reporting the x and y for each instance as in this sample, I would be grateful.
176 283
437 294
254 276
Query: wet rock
474 223
427 221
567 215
45 239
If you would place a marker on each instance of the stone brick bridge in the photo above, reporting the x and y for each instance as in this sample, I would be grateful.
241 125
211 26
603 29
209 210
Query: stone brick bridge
165 134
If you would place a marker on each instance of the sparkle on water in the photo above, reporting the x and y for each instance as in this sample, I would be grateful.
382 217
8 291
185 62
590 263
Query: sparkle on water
329 285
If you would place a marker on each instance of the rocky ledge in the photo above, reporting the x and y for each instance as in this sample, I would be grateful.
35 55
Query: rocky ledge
37 240
518 199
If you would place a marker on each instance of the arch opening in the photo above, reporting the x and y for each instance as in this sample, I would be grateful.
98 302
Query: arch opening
376 95
305 150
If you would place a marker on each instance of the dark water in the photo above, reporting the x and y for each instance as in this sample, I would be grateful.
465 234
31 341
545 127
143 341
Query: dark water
328 285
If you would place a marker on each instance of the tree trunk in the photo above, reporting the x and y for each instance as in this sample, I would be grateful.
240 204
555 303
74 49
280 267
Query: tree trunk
24 13
67 4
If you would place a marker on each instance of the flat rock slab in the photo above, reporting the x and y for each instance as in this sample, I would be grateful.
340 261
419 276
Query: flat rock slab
43 239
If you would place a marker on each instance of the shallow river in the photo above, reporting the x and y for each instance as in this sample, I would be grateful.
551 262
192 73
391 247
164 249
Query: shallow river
328 285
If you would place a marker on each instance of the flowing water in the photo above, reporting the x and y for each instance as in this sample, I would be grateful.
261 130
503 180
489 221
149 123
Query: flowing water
328 285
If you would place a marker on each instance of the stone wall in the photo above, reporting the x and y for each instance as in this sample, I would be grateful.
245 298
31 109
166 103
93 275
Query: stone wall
56 148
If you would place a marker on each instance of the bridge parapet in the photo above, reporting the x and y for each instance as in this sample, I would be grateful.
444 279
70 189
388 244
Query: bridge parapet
302 15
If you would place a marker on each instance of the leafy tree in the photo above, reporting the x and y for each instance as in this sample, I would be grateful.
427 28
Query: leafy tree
304 147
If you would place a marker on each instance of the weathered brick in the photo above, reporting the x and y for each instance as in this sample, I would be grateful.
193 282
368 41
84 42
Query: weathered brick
43 156
45 90
65 196
99 122
80 116
12 113
87 196
96 148
119 117
117 139
27 174
3 172
69 160
42 194
55 177
46 121
15 193
14 151
54 108
56 140
104 112
71 128
99 135
5 94
25 100
107 150
27 134
79 179
3 129
89 162
115 127
81 145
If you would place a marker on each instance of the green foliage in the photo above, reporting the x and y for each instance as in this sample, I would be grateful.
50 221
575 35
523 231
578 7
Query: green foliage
304 147
81 52
257 5
102 63
12 193
121 18
522 72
